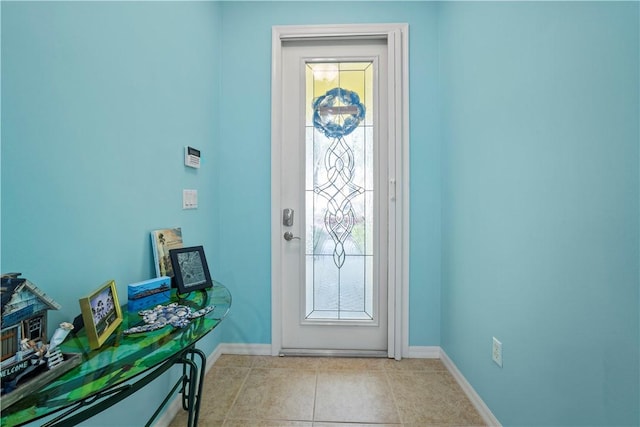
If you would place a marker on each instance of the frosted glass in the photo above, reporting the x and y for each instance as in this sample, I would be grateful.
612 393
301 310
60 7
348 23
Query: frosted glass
339 172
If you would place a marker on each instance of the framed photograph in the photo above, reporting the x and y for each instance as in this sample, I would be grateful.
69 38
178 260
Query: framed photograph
190 269
101 313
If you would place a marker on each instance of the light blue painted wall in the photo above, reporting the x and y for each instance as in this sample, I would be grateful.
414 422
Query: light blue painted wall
99 99
245 155
540 171
538 175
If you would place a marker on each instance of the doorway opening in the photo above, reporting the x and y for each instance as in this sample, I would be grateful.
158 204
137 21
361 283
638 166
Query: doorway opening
339 190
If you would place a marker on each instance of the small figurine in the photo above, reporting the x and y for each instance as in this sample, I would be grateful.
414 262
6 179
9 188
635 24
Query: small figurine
178 316
37 348
34 356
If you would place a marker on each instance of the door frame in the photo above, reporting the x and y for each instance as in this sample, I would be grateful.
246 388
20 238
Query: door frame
397 39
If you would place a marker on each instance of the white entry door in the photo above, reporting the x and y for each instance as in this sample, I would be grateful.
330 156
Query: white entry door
334 197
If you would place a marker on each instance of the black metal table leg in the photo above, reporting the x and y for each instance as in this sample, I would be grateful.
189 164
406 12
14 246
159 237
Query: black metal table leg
190 384
193 378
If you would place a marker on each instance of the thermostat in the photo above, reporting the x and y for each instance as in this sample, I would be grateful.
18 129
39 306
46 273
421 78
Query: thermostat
191 157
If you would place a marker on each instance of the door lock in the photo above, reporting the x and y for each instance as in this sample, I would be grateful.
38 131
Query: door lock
287 217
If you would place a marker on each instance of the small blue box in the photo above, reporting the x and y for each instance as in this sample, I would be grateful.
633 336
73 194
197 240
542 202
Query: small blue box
149 293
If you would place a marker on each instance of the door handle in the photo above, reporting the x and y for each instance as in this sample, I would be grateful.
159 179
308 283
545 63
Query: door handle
288 236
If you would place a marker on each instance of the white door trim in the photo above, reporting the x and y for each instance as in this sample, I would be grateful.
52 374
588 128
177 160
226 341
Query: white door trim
396 36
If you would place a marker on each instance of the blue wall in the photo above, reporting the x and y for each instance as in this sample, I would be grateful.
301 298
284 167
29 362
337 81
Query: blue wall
540 249
524 175
245 156
99 100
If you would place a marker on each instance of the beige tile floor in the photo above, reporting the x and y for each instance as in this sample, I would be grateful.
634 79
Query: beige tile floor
331 392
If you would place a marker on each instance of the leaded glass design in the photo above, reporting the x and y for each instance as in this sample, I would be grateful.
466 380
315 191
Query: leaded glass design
339 191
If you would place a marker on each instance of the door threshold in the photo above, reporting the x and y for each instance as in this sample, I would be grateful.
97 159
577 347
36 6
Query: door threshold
306 352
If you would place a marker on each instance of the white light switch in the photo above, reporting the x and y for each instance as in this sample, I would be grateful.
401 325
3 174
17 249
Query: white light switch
189 199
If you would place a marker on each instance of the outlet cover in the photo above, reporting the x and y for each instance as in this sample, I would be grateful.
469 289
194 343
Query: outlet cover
496 353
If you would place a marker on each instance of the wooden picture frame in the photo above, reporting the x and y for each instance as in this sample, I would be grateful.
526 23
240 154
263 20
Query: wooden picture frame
101 313
190 269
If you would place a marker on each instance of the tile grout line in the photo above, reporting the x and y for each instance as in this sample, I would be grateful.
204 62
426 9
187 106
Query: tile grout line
393 395
235 399
315 396
317 369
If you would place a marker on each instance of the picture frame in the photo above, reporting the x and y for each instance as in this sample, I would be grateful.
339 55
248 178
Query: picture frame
101 313
162 241
190 268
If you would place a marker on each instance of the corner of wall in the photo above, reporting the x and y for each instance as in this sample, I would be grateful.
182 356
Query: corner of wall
473 396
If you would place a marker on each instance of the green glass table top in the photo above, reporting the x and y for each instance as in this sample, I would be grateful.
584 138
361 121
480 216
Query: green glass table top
121 358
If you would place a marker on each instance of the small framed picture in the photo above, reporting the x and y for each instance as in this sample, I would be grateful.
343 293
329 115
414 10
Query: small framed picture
101 313
190 269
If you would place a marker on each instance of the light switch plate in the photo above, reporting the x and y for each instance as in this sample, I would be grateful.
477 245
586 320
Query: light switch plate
189 199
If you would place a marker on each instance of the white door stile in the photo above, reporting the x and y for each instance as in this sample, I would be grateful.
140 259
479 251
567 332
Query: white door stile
397 42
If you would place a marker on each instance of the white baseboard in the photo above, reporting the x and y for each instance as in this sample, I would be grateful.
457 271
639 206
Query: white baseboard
172 410
249 349
476 400
424 352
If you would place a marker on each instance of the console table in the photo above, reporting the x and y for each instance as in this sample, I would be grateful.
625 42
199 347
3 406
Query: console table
124 364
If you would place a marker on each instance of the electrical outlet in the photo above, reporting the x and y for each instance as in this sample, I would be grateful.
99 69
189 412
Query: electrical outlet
496 353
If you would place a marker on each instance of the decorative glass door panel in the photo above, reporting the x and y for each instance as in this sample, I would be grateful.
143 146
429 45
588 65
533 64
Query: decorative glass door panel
333 172
339 191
